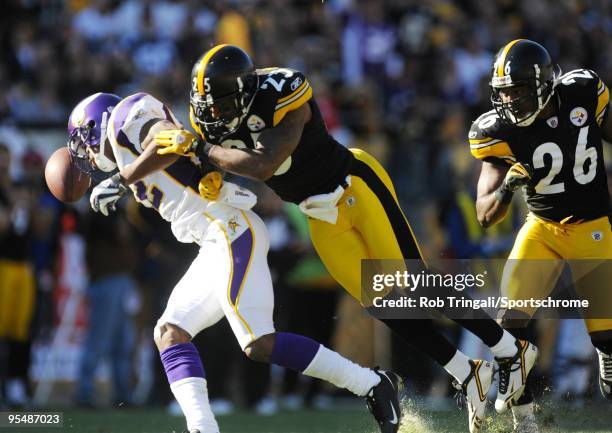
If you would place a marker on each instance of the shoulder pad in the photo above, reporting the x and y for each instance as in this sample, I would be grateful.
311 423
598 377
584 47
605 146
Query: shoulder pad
586 84
578 77
281 90
131 114
487 140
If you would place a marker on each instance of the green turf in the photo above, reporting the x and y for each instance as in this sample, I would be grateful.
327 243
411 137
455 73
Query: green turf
591 419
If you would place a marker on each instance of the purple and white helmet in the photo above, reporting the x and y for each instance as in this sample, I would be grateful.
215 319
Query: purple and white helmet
87 129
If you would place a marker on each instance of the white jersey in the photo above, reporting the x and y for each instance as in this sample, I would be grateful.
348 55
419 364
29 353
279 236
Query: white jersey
173 192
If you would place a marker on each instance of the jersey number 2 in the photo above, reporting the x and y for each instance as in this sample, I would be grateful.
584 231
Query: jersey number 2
152 195
583 154
278 85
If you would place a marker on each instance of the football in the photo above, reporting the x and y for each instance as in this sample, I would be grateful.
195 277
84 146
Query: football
65 181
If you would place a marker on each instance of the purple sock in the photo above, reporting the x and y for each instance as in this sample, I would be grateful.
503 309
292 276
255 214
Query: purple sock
182 361
293 351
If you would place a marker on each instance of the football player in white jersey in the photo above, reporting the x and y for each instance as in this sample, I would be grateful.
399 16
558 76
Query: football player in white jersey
113 138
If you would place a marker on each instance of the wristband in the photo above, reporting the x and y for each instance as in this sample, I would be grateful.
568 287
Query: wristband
202 149
206 148
503 194
117 178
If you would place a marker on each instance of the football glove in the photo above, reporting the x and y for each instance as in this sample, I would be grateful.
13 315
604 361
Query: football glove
518 175
177 141
107 193
210 185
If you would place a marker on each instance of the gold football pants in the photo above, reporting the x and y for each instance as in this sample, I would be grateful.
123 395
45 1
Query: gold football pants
17 292
537 260
370 225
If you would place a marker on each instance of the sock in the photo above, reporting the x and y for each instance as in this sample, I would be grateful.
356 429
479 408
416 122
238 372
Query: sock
313 359
604 345
522 412
459 366
334 368
188 384
521 333
293 351
422 334
483 327
506 347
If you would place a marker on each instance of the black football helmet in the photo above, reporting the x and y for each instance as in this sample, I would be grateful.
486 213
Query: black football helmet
223 84
523 81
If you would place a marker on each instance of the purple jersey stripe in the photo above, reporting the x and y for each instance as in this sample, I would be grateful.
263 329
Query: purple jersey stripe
242 248
125 142
185 172
119 115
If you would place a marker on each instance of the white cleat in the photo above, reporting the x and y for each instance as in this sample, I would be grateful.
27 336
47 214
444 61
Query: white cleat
605 374
513 374
524 419
474 390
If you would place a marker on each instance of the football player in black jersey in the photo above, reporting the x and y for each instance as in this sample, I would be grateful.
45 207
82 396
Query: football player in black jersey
264 124
545 134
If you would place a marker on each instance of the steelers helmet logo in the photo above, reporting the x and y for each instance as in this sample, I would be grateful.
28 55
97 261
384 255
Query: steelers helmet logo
597 236
578 116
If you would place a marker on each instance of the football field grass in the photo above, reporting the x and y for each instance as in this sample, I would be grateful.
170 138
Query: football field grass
589 419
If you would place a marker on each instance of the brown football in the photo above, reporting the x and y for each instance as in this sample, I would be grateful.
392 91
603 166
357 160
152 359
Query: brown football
66 182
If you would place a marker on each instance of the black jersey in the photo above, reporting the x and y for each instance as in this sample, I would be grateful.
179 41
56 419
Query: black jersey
564 150
319 163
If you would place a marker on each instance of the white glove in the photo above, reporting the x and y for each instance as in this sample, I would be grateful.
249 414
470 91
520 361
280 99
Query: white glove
107 193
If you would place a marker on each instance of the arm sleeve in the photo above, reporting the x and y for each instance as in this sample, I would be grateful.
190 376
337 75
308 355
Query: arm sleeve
486 144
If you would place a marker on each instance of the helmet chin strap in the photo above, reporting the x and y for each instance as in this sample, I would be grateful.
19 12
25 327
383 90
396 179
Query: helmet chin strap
102 161
541 104
528 121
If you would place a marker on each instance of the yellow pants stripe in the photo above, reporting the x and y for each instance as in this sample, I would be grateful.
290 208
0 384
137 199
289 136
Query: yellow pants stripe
386 195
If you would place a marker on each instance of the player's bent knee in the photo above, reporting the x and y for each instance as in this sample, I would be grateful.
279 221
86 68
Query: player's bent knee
260 350
509 319
167 334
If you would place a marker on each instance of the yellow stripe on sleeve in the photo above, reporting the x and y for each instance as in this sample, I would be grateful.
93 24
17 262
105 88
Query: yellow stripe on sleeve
280 113
480 140
297 92
602 101
499 150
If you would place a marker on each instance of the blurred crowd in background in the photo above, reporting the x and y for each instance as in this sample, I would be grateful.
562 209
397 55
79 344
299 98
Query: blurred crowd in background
402 79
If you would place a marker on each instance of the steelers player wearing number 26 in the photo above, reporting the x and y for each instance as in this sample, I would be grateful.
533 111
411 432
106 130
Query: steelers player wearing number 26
266 125
545 134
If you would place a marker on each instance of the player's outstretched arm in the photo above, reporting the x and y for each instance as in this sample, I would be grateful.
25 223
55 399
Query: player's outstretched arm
149 160
106 194
273 147
489 208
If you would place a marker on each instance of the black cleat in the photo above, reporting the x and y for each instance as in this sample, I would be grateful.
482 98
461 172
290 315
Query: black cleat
383 401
